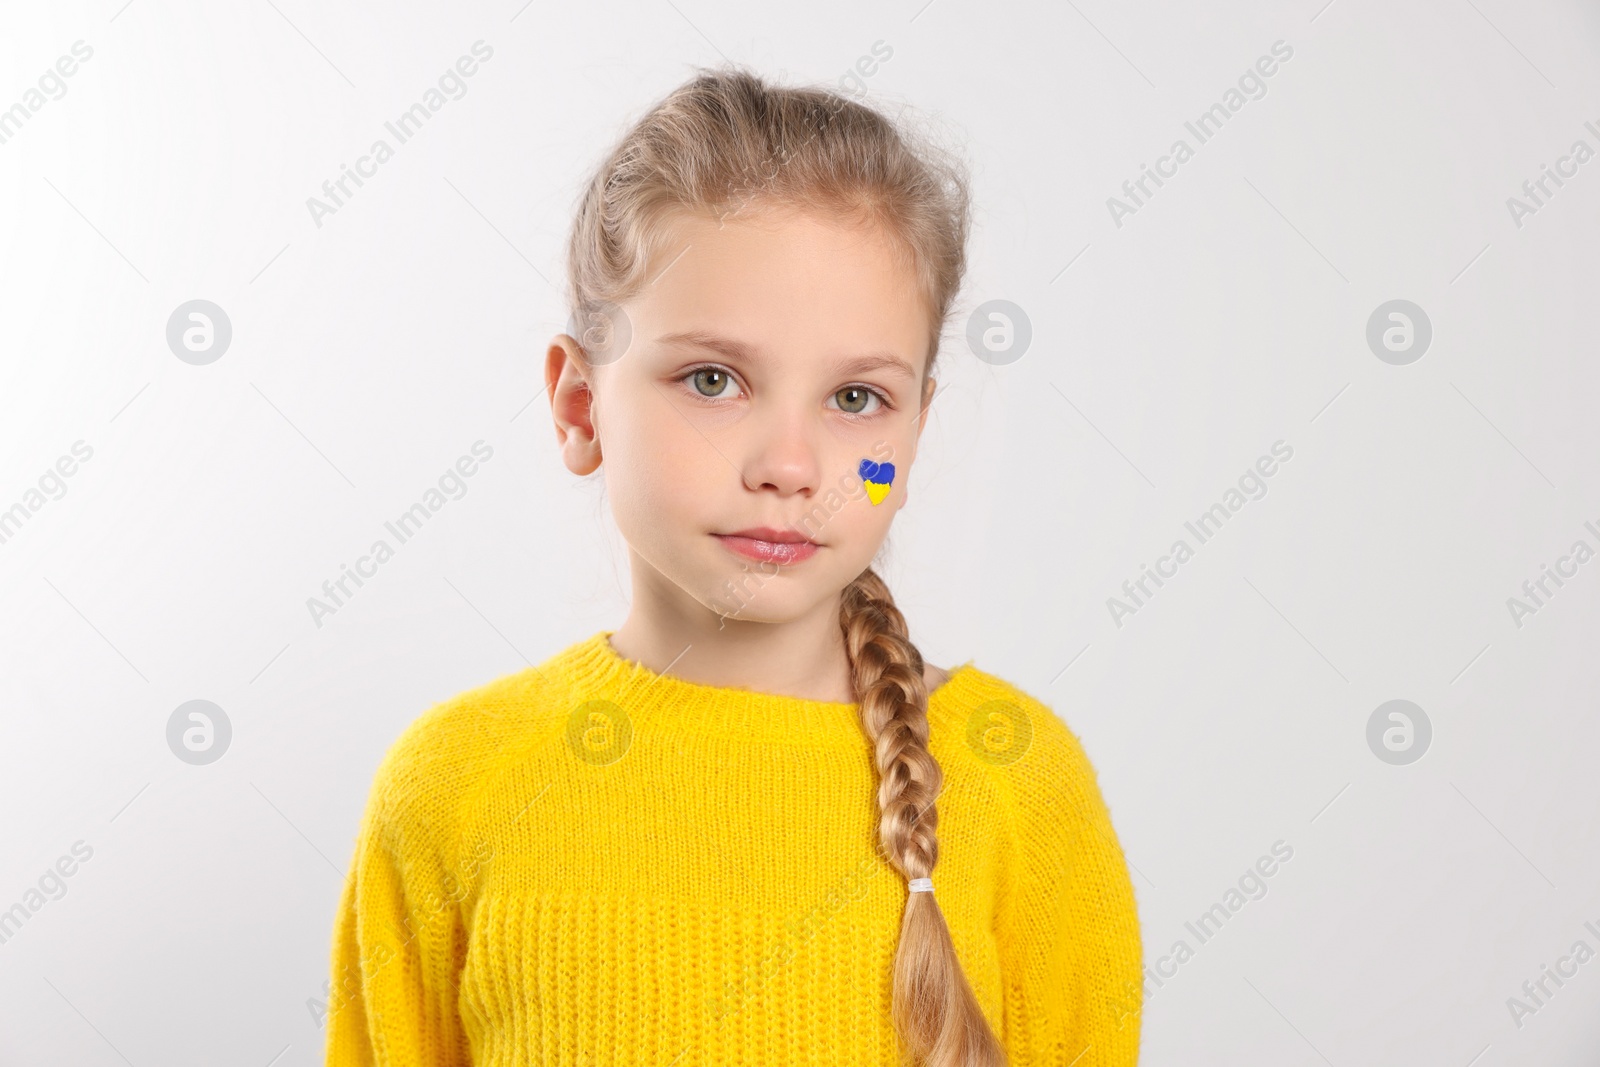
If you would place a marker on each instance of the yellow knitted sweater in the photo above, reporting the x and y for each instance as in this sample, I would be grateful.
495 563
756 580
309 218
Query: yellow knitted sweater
586 862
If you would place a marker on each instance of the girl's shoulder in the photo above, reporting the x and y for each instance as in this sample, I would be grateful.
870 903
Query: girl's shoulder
1048 791
487 720
1030 750
1012 716
447 750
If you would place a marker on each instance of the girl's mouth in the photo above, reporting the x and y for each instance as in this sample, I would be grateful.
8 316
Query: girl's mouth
780 552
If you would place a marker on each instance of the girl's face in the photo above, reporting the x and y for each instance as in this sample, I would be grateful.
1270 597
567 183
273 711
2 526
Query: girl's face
769 357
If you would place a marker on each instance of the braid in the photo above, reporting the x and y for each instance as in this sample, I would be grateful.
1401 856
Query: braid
934 1009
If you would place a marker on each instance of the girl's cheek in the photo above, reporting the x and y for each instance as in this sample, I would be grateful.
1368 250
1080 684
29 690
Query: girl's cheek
689 415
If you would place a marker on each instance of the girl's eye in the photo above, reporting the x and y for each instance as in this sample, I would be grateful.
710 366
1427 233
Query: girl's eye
853 399
709 381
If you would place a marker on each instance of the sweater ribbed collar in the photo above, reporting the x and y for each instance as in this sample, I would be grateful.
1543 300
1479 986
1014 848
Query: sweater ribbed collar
598 671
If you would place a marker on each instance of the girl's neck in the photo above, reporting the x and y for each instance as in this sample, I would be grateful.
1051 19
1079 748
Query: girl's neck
781 658
798 658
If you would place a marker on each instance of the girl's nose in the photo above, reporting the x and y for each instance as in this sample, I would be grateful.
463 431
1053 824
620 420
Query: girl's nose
783 453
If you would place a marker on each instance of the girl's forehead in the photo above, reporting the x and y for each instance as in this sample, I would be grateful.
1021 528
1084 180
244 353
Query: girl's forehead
778 235
790 275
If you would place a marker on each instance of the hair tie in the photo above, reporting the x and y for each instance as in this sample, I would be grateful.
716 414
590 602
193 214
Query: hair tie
921 885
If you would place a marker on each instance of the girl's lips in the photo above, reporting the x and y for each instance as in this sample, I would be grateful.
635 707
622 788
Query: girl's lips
780 552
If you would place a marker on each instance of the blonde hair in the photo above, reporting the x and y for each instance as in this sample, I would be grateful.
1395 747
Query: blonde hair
723 140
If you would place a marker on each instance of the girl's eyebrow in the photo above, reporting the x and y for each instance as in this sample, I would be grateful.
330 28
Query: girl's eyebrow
739 350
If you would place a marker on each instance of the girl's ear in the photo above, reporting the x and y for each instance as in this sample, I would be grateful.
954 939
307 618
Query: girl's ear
572 405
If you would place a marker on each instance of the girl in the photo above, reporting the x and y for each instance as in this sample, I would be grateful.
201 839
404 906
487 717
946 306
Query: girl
712 835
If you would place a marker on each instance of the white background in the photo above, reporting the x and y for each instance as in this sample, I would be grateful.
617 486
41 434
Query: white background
1168 353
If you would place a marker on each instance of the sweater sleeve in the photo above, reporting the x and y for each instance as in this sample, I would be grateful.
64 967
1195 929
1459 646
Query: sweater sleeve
398 937
1067 922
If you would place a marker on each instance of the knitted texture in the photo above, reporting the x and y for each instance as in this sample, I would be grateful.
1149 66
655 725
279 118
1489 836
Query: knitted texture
586 862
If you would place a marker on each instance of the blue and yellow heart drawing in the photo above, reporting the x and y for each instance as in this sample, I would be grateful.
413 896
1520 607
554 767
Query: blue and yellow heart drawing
877 477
